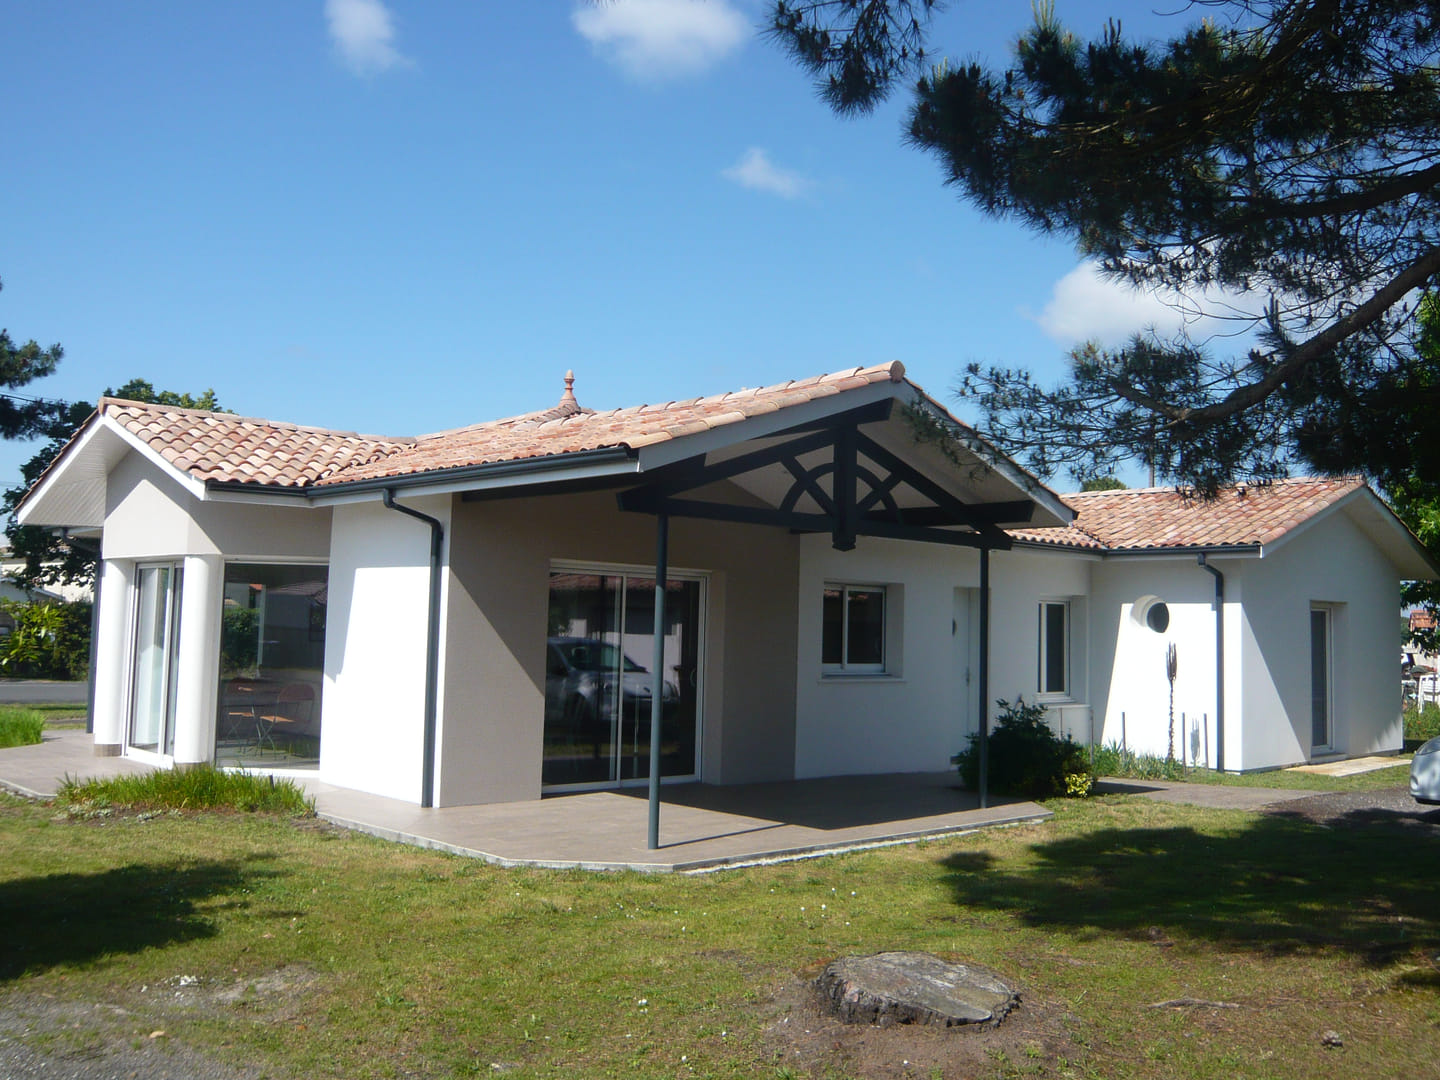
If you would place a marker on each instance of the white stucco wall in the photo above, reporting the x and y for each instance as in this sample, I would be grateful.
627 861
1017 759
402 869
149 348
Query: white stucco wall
375 641
1331 563
1132 692
917 715
150 516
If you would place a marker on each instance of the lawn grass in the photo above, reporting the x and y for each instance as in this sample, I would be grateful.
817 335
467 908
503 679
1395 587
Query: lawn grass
1375 780
201 787
415 963
20 725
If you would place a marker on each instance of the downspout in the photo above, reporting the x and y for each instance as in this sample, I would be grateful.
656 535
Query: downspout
432 645
1219 661
93 553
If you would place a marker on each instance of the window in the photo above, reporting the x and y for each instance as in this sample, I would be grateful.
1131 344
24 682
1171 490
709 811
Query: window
1054 667
272 665
853 630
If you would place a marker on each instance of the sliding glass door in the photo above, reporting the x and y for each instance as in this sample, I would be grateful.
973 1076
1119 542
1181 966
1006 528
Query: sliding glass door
154 662
598 685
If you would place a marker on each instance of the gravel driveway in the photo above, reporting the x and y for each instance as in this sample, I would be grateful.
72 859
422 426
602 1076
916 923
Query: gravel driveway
1361 809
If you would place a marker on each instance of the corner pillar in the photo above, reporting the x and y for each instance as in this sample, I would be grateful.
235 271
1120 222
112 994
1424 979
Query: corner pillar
112 667
197 688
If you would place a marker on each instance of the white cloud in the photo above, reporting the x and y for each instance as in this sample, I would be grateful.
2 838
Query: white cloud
1085 305
661 39
756 171
364 35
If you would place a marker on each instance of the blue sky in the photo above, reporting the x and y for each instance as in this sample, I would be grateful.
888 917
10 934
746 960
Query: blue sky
397 217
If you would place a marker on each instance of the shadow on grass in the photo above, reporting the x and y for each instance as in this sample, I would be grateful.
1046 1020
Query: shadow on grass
1366 886
75 918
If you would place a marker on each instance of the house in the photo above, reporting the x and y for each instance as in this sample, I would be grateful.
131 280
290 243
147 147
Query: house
818 578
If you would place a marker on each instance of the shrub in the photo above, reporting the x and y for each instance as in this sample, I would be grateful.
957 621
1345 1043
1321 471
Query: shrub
202 787
1111 760
1026 757
1421 723
51 640
20 727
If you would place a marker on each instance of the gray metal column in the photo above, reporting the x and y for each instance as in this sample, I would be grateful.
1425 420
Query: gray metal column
657 671
984 679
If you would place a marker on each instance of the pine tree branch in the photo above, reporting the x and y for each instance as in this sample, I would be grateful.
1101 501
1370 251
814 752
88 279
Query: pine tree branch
1243 397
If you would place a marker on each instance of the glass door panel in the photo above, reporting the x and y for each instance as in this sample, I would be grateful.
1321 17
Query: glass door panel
581 674
157 643
679 678
598 685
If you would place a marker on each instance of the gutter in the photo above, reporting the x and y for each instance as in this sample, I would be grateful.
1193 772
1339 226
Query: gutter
492 470
432 645
1219 657
1235 550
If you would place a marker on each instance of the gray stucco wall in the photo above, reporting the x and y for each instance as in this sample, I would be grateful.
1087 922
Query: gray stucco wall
501 553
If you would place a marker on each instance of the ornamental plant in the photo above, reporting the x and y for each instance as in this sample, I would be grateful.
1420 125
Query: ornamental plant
1026 757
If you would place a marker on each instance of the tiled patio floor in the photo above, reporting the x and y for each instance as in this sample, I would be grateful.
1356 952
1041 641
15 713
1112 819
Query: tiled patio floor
701 827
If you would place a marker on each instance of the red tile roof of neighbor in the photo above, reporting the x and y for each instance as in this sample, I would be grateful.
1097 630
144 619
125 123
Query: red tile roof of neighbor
224 448
1160 518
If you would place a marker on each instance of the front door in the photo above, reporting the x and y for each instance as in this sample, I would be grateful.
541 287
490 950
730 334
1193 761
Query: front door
599 686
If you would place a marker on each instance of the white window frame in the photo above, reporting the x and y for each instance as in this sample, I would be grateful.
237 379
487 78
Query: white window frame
844 667
1042 650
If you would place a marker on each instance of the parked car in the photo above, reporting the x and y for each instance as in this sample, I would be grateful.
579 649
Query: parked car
1425 773
586 679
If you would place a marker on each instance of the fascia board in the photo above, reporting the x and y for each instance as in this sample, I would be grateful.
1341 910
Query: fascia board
762 425
140 446
519 477
36 496
1383 527
1012 473
1313 520
30 507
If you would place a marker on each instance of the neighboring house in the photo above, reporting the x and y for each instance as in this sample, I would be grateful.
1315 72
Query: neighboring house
11 589
471 616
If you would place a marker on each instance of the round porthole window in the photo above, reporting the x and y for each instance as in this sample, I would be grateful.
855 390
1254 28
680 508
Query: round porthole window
1152 613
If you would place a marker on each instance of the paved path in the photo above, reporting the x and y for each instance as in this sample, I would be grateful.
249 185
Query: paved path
43 691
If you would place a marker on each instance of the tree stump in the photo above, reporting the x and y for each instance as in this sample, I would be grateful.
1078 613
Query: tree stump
913 988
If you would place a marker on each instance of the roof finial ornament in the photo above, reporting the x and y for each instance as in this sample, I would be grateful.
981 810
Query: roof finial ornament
568 397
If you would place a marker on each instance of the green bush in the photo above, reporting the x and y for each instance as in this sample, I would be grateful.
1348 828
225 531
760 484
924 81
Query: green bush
51 640
20 727
1026 757
202 787
1113 761
1421 723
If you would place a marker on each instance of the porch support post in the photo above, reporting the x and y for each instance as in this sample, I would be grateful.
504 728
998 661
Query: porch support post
657 670
984 679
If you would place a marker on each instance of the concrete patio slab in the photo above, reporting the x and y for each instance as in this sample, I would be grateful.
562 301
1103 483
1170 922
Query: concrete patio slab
701 827
36 771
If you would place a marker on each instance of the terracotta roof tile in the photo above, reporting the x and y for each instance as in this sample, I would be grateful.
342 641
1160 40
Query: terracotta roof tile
221 447
1158 518
525 437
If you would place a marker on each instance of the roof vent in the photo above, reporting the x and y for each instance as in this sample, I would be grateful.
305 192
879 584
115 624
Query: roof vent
1241 489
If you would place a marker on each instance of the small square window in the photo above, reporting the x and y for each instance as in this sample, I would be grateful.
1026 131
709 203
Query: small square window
1053 670
852 638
